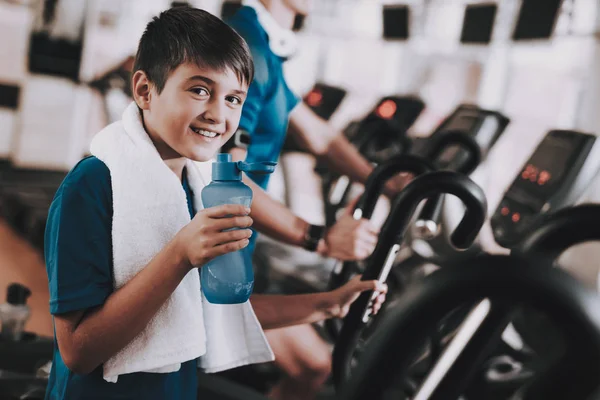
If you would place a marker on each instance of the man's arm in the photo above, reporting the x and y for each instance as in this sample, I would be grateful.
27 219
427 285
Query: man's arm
270 216
330 145
318 137
348 239
279 311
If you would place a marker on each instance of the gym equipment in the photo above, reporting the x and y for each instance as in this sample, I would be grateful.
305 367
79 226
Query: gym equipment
428 218
557 173
508 279
324 99
390 239
24 356
25 196
373 189
551 236
483 126
380 136
561 167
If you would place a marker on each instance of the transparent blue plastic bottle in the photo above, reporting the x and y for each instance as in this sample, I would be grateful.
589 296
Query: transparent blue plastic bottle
229 279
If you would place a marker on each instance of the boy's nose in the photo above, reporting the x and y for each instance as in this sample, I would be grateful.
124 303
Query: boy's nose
215 112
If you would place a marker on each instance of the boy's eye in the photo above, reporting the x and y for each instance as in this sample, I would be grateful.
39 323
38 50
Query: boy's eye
234 100
200 91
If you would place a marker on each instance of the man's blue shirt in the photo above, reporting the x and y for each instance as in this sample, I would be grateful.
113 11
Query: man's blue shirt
267 108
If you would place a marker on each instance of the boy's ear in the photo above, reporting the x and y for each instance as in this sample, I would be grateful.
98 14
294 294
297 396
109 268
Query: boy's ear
141 89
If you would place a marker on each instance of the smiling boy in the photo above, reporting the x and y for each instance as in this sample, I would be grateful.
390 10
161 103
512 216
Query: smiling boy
114 274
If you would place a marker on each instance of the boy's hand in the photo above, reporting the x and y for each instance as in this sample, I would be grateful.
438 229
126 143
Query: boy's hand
203 238
350 239
343 297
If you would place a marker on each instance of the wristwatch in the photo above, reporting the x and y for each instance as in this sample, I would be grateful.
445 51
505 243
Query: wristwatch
314 233
241 138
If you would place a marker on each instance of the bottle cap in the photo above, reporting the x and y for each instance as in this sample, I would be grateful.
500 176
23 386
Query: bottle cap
223 169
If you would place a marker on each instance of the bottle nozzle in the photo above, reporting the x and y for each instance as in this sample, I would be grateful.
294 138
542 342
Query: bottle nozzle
224 169
262 168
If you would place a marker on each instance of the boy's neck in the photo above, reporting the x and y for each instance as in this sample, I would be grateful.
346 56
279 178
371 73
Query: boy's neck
281 13
176 165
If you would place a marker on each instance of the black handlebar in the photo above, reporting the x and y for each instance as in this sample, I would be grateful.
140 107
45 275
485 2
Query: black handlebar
429 218
364 209
561 230
451 138
392 233
382 173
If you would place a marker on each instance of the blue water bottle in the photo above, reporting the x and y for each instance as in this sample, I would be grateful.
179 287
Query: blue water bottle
229 279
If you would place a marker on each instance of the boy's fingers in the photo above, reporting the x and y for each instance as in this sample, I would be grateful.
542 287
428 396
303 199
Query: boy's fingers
231 222
229 247
226 210
231 236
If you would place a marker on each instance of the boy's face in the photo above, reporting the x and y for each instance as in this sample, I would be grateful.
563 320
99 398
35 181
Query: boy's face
195 114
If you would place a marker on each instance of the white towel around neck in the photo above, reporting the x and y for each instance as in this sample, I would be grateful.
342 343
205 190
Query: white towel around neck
149 208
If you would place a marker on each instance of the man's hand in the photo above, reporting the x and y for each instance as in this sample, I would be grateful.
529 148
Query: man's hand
350 239
343 297
397 183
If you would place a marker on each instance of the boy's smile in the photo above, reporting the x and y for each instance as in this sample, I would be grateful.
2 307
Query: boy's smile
196 113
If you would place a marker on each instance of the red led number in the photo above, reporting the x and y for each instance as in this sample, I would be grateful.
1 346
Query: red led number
387 109
314 98
533 174
544 177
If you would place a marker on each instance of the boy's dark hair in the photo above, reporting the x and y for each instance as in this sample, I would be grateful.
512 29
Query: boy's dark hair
185 34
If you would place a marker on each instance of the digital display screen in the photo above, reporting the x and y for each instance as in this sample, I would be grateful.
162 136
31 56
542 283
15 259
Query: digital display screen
478 23
547 166
395 22
9 96
462 122
324 99
536 19
229 8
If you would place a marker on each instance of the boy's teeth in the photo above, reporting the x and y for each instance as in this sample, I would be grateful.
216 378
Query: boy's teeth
205 133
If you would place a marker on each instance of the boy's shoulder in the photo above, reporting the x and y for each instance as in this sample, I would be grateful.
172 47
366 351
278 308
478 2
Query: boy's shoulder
89 175
88 169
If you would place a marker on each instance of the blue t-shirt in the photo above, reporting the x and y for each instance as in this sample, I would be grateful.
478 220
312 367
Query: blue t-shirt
78 252
269 102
